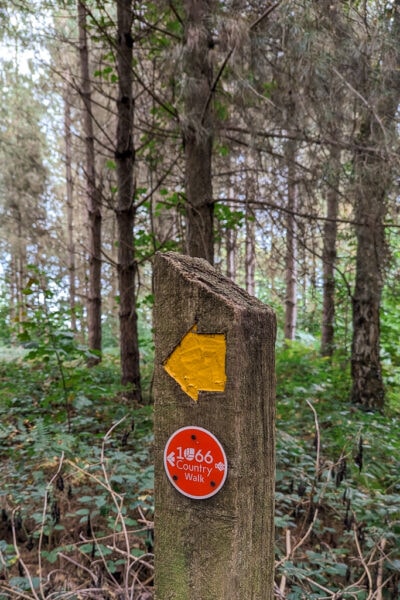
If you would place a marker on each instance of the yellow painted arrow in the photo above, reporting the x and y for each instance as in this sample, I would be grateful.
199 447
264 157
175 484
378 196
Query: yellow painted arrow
198 363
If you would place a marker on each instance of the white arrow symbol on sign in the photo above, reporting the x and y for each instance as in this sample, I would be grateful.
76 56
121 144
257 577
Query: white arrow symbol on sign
171 458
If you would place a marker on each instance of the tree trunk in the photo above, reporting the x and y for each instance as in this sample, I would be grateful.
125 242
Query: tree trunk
368 389
21 262
370 209
114 284
374 173
329 256
250 242
70 209
10 278
250 258
93 196
197 129
291 247
125 158
231 234
231 253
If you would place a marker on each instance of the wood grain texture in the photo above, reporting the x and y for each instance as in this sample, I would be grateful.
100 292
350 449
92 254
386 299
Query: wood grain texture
222 547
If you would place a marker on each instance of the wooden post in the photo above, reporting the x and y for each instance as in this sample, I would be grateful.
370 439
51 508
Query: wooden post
214 371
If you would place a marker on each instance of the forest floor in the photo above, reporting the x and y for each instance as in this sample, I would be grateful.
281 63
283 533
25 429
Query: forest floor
76 487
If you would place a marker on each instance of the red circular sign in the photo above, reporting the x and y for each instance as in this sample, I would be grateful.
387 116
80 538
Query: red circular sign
195 462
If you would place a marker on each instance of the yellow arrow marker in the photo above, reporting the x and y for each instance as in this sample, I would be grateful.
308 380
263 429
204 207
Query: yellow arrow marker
198 363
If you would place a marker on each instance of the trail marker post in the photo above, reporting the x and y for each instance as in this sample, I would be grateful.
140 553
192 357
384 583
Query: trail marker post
214 389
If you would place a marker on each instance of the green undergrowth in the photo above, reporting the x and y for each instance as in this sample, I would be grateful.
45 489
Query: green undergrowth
337 485
76 478
76 491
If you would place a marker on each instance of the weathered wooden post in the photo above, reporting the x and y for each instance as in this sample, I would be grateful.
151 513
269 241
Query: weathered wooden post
214 394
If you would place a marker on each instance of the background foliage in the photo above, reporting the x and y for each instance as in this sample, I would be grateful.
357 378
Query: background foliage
77 485
298 104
